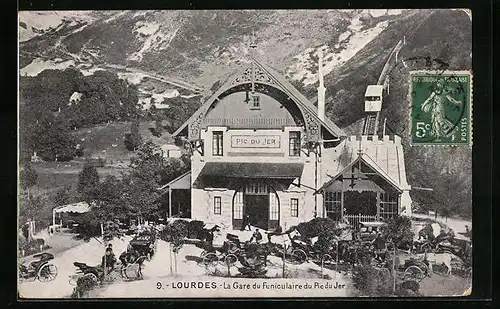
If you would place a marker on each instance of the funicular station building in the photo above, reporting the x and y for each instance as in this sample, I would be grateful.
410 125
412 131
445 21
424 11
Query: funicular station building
261 151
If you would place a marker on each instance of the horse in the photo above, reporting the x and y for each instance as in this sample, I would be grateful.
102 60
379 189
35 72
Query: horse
437 259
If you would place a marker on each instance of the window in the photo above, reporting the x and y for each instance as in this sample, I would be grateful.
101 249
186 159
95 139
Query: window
238 205
294 207
255 102
294 144
388 205
274 211
333 204
217 205
217 143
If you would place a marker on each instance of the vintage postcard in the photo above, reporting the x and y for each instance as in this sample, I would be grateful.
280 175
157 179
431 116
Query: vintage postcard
245 153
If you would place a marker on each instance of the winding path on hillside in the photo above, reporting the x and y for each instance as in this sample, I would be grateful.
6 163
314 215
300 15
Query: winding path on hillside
166 79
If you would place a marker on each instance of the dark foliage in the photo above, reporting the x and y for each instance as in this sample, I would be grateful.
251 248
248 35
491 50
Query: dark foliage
371 282
88 181
398 232
28 176
134 139
317 227
47 115
62 196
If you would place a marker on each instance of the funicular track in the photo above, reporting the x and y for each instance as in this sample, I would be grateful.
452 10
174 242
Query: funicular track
371 121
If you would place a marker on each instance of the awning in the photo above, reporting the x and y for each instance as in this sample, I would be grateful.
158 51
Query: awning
253 170
80 207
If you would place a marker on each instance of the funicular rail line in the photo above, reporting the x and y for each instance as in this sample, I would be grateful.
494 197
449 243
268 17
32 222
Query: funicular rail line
372 120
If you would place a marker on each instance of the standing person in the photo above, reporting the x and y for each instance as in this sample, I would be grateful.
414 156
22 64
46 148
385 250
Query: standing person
257 236
108 260
379 246
247 223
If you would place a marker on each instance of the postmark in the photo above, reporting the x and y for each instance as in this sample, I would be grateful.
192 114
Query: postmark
440 108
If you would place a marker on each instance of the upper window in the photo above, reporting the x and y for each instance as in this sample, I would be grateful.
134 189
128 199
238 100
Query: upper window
217 144
255 102
294 144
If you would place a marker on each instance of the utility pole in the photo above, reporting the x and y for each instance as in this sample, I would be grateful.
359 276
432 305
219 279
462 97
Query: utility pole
284 254
393 269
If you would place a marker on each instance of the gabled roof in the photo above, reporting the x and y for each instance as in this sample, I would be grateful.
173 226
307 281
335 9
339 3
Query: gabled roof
282 84
368 161
181 182
384 155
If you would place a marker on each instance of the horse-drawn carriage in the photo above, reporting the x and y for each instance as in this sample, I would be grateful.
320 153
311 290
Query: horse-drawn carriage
88 276
231 251
144 244
38 268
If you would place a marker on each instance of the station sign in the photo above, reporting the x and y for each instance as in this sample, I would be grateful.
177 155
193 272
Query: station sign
255 141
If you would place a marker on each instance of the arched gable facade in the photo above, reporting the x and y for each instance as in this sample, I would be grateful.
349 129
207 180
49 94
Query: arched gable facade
267 81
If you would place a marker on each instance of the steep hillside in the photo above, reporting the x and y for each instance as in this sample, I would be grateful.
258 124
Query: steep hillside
195 49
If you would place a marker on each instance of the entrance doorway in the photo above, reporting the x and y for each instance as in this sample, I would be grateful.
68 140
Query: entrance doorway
257 202
257 209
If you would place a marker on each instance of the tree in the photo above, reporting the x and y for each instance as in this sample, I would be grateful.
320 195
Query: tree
134 139
143 180
110 196
398 232
31 207
174 234
28 177
62 196
55 141
158 126
88 181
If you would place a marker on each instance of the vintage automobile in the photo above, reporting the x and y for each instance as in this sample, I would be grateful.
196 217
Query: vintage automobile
143 244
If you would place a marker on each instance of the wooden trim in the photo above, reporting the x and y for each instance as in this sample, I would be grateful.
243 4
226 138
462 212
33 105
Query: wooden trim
342 202
378 205
255 154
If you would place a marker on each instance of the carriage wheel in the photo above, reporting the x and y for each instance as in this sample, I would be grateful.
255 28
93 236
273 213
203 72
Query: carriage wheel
414 272
92 277
203 253
210 259
385 274
47 272
327 259
299 256
230 260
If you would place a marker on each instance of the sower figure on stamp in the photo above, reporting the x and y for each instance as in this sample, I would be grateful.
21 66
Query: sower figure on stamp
435 104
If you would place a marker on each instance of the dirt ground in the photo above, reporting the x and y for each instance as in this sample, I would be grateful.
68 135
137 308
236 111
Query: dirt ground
441 285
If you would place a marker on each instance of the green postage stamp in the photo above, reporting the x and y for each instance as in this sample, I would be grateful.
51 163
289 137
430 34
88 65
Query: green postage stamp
441 108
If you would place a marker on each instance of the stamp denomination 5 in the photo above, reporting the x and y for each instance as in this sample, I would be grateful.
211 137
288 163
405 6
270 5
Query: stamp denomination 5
441 109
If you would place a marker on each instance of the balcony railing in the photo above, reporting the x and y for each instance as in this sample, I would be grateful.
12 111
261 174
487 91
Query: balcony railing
266 123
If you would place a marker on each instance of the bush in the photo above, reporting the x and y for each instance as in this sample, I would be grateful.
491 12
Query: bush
83 286
195 229
398 231
370 282
317 227
175 232
89 225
